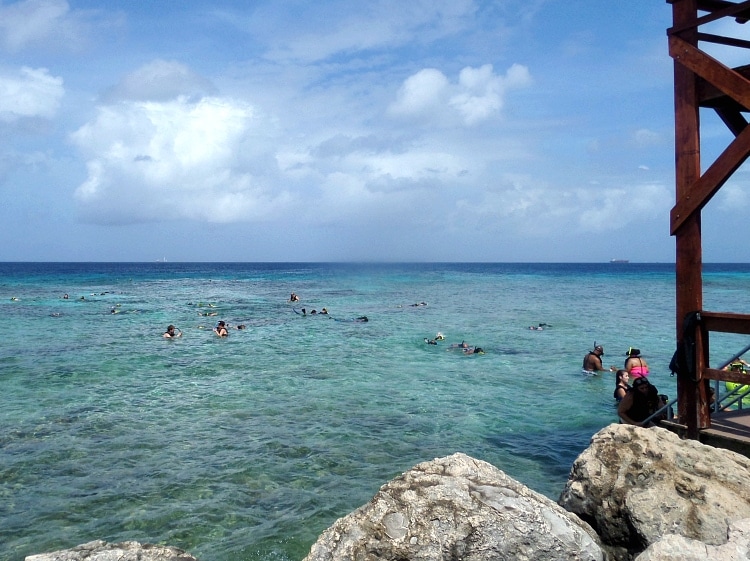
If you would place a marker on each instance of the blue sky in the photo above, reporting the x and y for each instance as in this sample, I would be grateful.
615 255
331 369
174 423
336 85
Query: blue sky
269 130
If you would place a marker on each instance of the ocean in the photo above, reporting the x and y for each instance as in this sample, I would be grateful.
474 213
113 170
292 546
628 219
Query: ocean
249 447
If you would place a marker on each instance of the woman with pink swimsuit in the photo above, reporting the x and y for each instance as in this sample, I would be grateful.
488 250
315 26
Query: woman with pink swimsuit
635 365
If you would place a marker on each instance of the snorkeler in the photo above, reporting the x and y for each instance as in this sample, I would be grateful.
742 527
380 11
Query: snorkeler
172 332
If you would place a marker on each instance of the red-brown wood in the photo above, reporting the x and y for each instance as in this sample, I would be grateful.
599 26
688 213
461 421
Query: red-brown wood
701 80
688 249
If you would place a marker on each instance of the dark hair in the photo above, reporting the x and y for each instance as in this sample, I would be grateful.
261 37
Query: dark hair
641 382
632 351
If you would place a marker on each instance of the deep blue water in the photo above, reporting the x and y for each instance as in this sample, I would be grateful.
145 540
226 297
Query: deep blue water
249 447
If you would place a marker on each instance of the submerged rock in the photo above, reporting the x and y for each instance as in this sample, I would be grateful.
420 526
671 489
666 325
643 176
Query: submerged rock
124 551
635 485
457 508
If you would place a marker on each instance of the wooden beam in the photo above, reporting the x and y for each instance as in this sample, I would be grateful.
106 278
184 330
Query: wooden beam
724 78
698 194
726 322
717 9
732 118
711 96
721 40
726 376
692 403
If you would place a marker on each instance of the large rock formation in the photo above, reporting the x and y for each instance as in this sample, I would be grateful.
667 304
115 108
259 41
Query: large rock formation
124 551
636 485
457 508
678 548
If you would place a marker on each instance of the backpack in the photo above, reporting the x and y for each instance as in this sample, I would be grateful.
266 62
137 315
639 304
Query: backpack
683 360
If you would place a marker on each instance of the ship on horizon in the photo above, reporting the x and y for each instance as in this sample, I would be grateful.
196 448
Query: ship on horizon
619 260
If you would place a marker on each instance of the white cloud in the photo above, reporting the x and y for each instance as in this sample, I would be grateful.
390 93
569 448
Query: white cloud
346 28
29 93
420 93
160 80
155 160
475 97
32 21
521 207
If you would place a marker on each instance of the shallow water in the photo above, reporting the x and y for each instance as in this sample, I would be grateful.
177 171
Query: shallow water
249 447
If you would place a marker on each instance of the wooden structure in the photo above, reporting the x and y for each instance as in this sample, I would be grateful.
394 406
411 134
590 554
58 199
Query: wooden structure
703 82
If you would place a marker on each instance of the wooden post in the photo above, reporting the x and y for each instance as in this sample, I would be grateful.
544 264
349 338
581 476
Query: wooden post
688 248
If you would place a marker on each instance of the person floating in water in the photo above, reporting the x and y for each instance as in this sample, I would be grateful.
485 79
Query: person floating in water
293 297
592 362
172 332
221 329
430 341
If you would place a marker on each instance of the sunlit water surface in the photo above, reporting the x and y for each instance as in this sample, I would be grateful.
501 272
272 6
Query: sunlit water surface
247 448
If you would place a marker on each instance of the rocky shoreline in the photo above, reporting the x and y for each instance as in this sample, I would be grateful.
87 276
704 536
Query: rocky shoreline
633 495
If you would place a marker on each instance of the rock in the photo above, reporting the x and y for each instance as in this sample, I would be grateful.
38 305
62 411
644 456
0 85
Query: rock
678 548
635 485
124 551
457 508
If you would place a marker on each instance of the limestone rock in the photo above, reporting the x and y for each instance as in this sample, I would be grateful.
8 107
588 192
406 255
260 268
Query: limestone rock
124 551
634 485
678 548
457 508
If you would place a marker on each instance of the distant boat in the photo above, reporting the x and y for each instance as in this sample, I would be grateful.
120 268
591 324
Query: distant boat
619 260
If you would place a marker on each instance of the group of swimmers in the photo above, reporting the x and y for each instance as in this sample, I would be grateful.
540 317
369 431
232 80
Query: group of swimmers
221 329
462 346
636 402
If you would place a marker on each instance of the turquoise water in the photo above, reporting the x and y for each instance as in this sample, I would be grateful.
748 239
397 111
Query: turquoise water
247 448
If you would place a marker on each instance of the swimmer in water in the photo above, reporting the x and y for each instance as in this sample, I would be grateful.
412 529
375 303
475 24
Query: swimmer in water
221 329
172 332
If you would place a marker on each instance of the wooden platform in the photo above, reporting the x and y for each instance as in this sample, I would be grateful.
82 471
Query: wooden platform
730 430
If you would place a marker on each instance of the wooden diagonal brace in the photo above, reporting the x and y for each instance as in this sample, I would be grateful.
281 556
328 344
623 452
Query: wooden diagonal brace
710 182
722 77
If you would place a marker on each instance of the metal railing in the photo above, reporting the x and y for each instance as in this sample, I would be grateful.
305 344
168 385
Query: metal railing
721 402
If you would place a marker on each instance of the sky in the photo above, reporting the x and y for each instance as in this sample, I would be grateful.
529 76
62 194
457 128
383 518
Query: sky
289 130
